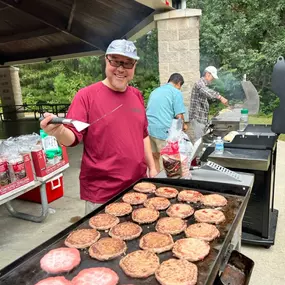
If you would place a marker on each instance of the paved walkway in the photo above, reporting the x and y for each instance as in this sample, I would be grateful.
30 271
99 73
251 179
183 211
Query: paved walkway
18 237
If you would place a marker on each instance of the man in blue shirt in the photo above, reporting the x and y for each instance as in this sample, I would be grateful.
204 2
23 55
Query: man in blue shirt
165 104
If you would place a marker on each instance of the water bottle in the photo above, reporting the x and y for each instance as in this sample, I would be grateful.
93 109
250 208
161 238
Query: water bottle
219 146
243 119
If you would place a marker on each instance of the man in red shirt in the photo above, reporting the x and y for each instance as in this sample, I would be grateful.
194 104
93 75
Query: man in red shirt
117 149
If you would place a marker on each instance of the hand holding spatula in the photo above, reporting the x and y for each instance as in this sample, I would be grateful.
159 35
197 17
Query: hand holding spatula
78 125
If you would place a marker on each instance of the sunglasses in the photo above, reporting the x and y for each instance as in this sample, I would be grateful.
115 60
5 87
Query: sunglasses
117 63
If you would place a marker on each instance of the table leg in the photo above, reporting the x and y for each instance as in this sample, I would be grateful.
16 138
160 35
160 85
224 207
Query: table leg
28 217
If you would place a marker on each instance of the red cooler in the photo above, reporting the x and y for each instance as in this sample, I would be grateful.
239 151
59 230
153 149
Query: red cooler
54 189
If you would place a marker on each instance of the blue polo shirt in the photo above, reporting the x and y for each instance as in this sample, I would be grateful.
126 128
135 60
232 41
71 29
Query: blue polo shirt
165 102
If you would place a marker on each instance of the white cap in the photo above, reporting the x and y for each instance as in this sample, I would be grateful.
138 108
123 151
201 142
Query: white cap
123 47
213 70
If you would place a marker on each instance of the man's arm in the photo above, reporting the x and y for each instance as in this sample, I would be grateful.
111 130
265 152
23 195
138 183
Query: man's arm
148 157
211 94
181 116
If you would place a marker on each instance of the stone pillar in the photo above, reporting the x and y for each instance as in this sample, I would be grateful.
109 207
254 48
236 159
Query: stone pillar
10 92
178 47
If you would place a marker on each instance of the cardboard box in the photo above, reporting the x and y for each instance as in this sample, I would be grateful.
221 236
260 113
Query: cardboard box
42 170
54 190
21 184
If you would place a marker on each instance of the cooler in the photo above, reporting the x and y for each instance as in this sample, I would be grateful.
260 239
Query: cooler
54 190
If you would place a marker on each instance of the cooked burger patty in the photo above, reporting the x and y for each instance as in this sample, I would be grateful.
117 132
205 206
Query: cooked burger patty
134 198
126 231
211 216
202 231
98 275
103 221
145 187
156 242
171 225
157 203
140 263
107 248
190 196
62 259
177 272
180 211
214 200
145 215
191 249
166 192
82 238
119 209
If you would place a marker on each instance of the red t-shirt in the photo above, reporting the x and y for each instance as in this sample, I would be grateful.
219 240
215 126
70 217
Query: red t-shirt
113 155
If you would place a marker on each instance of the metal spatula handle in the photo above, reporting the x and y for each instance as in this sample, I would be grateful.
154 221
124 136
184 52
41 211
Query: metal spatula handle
57 120
224 170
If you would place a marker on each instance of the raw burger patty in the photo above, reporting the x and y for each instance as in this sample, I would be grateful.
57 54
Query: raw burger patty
156 242
140 263
107 248
190 196
103 221
119 209
177 272
211 216
166 192
171 225
214 200
202 231
145 215
157 203
145 187
180 211
134 198
60 280
96 276
82 238
125 231
191 249
59 260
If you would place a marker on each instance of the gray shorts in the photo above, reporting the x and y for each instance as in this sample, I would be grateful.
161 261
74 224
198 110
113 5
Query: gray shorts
196 130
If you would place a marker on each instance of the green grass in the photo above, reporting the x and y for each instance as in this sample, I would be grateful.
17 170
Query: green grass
259 119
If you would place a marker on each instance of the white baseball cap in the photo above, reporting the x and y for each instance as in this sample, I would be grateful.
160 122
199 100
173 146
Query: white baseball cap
213 70
123 47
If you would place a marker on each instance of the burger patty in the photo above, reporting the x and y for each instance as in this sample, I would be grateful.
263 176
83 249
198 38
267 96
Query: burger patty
156 242
96 276
107 248
118 209
171 225
126 231
82 238
177 272
144 187
103 221
59 280
180 211
145 215
166 192
214 200
60 260
190 196
202 231
157 203
211 216
134 198
191 249
140 263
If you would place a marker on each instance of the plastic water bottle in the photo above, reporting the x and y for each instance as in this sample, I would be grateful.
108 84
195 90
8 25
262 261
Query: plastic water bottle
219 146
243 119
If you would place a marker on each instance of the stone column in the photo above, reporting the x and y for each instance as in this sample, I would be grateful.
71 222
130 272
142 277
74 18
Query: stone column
10 92
178 47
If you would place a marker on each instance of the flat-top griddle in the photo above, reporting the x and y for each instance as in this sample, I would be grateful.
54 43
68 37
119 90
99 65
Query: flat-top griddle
26 270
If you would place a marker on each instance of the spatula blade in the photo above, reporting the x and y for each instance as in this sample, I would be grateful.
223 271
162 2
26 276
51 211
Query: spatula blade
80 126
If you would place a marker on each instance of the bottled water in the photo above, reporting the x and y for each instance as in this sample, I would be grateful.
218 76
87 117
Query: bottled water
219 146
243 119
